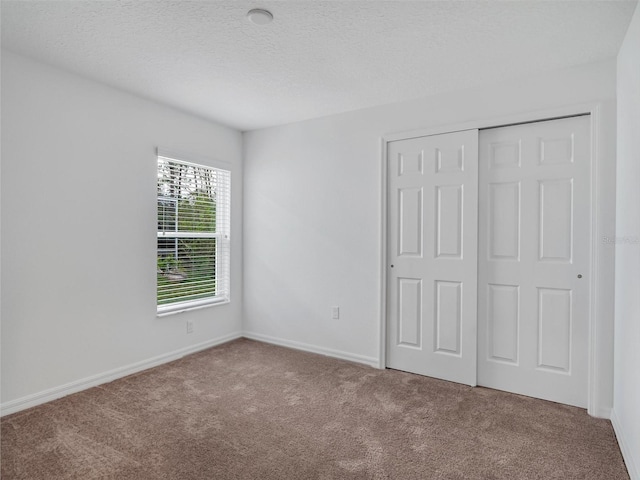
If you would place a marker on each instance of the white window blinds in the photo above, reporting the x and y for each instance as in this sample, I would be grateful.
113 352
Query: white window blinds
193 235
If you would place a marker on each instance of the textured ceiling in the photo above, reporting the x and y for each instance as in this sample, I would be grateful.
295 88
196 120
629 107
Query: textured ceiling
317 57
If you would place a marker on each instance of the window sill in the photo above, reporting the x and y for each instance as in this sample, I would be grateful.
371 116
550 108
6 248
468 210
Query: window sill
174 308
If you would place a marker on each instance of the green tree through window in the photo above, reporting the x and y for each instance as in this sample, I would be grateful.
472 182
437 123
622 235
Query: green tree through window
193 235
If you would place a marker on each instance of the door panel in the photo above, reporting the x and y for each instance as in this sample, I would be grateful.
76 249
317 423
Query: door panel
503 302
556 219
432 286
448 230
448 298
534 242
410 312
410 226
504 221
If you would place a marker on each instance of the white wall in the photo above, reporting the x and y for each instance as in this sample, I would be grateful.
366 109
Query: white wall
78 226
626 411
312 213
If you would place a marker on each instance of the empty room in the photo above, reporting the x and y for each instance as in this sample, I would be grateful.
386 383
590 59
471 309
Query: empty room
320 239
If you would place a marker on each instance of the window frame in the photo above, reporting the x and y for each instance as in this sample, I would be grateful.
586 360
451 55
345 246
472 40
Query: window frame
222 234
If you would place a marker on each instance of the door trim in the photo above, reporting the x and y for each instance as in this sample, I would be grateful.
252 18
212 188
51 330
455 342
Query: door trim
595 405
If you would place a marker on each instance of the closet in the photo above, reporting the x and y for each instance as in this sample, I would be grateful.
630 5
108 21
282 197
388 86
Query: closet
488 251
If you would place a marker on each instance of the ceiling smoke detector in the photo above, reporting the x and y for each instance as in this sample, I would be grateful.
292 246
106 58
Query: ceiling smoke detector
260 16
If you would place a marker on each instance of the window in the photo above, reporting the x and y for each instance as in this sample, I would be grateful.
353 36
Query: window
193 235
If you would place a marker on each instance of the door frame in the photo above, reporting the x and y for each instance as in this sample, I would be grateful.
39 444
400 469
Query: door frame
598 348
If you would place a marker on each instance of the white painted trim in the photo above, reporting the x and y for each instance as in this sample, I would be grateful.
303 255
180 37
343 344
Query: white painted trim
305 347
493 122
593 403
602 412
382 357
594 406
173 308
193 159
632 467
54 393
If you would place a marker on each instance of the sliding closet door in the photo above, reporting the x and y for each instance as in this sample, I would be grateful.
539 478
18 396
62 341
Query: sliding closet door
432 255
534 259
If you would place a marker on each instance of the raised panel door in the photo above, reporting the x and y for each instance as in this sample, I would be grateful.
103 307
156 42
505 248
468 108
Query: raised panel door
432 255
534 261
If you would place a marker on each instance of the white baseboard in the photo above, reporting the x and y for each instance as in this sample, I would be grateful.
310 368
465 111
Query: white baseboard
633 467
601 412
54 393
329 352
34 399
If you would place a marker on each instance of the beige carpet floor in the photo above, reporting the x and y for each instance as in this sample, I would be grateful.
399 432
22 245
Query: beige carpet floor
248 410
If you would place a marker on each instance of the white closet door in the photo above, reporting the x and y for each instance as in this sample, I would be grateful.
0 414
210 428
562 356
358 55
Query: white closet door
432 256
534 259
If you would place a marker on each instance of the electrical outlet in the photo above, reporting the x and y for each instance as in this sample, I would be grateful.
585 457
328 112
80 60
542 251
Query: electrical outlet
335 313
189 326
